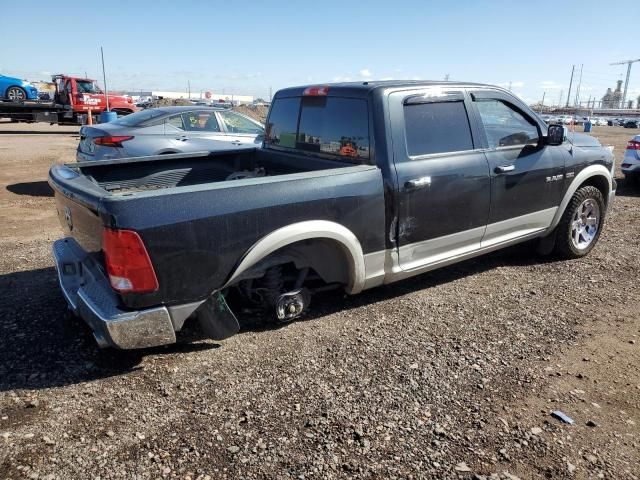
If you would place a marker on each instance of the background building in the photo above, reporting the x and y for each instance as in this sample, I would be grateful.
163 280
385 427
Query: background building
140 95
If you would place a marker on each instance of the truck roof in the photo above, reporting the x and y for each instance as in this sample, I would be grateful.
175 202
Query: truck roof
362 89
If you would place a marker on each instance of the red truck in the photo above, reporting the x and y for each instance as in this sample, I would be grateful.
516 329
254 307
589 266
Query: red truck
69 101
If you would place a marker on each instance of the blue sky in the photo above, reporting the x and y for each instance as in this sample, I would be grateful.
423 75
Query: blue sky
247 47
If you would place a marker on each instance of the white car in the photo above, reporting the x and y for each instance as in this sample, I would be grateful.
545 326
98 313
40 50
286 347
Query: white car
631 160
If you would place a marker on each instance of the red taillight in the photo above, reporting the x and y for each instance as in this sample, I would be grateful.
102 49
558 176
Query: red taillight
316 91
111 141
128 263
633 145
129 100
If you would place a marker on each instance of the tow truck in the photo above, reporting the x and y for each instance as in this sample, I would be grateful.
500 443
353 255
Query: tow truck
74 98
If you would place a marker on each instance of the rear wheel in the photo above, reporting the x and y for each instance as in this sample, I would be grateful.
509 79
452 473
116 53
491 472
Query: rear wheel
581 223
16 94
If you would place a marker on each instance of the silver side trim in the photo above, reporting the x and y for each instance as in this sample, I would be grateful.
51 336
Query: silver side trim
391 265
417 254
588 172
304 231
523 225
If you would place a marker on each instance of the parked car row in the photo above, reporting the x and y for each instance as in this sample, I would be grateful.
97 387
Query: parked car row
595 121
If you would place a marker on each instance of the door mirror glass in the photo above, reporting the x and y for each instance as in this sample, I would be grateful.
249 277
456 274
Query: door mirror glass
555 135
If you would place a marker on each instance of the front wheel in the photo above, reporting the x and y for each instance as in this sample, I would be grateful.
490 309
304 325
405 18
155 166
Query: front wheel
16 94
581 223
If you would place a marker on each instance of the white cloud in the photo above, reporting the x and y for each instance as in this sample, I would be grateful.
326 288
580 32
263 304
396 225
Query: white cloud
511 84
365 72
550 85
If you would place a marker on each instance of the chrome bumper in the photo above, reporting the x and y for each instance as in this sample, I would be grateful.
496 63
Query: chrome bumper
90 296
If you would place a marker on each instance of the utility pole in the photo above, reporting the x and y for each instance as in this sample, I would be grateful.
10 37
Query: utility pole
189 88
542 103
270 95
573 67
104 78
446 77
509 85
577 100
626 83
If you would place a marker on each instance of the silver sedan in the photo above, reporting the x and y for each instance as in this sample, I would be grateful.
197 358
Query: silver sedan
169 130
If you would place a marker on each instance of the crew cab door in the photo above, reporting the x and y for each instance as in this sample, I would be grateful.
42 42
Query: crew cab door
442 176
526 175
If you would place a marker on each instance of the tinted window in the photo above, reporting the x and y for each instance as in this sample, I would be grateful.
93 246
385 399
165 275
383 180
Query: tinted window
282 122
85 86
139 117
175 121
336 126
200 121
236 123
437 128
505 126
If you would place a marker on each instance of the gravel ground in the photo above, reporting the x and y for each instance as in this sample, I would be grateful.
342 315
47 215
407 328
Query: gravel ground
449 375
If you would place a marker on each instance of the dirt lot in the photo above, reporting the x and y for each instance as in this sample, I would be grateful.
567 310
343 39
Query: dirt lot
452 374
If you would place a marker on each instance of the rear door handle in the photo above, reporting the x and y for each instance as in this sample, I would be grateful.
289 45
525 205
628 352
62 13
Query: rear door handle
505 168
416 183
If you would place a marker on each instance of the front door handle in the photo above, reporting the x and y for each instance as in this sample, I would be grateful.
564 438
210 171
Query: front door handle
417 183
505 168
182 138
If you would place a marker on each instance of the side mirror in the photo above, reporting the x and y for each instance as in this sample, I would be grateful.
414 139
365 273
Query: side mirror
555 135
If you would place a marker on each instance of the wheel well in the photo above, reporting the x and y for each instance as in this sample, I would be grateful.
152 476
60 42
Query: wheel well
600 182
327 257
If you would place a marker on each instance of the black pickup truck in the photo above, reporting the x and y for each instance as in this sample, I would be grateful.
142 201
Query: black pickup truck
357 185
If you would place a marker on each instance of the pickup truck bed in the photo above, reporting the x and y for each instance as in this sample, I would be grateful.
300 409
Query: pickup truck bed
197 217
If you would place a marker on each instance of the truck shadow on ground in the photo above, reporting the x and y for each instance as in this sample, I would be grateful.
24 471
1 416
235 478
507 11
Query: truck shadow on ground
627 188
32 189
335 301
43 345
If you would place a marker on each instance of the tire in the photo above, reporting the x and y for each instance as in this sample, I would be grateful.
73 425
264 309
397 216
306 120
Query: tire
581 223
16 94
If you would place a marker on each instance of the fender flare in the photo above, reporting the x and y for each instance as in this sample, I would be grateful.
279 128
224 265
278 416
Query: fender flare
579 179
308 230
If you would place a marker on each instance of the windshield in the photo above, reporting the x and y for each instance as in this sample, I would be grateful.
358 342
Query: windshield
87 86
137 118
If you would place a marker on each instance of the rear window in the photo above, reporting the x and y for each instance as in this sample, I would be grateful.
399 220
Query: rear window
329 126
437 127
139 117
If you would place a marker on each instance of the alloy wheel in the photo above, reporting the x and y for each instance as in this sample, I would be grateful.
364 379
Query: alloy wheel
585 224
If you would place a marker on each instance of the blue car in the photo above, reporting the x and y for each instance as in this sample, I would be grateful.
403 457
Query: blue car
16 90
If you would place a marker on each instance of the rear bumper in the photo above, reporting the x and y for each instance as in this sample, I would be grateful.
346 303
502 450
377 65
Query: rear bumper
90 296
630 166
